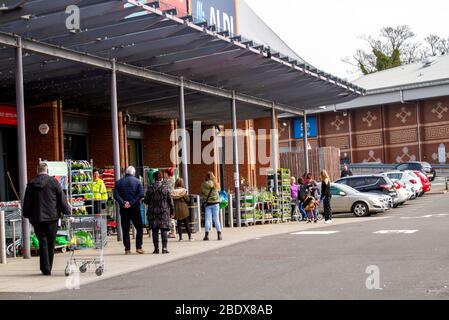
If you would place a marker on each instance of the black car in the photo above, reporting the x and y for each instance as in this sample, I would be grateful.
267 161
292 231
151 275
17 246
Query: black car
371 183
424 167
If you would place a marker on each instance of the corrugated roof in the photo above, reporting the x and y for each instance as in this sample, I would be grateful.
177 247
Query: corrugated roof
405 76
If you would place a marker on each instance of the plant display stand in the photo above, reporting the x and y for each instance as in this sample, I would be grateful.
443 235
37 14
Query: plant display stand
80 187
248 206
281 206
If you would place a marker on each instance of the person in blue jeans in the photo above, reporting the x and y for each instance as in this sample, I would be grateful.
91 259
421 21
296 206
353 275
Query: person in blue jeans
211 202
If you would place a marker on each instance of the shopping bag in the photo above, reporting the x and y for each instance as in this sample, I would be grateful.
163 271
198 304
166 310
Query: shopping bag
224 200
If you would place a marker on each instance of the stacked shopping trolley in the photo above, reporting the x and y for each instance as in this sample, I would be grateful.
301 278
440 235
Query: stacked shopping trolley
86 232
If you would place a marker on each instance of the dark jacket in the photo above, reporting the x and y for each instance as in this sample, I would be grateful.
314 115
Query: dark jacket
326 191
160 206
311 189
128 189
301 193
44 200
347 173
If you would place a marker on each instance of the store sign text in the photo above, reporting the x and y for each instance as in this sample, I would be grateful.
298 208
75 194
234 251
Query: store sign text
219 13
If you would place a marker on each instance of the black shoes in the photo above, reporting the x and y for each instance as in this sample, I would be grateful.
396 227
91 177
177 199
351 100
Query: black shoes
165 251
206 237
156 251
219 236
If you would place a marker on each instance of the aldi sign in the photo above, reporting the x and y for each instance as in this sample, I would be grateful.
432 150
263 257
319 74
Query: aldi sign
220 13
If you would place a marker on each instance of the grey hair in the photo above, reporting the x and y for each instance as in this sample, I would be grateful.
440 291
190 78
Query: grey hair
42 168
131 171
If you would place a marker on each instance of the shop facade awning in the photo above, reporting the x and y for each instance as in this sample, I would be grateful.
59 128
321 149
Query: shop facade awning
157 43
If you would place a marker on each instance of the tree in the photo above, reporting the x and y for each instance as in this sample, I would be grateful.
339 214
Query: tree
393 48
436 45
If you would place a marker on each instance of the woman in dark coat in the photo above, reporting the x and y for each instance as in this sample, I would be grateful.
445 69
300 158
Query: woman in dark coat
160 211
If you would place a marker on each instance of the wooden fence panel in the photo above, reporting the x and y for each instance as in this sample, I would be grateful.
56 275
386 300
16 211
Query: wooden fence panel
319 158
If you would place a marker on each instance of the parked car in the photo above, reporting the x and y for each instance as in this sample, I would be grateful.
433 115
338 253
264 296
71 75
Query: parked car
372 183
424 167
413 193
403 193
346 199
407 177
426 186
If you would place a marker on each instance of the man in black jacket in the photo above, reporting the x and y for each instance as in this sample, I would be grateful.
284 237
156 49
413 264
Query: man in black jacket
128 192
346 172
43 204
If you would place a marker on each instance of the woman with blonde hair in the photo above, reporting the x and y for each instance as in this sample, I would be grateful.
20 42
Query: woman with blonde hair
211 204
326 196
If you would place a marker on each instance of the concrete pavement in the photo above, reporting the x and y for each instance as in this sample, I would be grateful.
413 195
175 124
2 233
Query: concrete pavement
20 275
292 266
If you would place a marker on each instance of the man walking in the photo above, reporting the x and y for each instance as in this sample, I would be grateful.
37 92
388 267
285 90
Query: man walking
128 193
43 204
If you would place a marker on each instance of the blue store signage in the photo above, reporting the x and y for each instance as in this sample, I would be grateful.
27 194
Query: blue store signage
220 13
312 128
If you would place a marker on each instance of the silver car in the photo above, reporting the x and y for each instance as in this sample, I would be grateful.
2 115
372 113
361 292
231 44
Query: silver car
346 199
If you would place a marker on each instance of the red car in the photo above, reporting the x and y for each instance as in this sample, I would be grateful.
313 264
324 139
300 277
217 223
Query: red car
425 181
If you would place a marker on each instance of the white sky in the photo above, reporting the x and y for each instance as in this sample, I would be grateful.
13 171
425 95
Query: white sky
323 32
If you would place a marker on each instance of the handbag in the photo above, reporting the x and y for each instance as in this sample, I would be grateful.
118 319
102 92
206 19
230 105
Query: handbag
204 204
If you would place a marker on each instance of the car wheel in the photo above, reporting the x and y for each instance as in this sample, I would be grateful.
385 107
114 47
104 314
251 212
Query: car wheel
360 209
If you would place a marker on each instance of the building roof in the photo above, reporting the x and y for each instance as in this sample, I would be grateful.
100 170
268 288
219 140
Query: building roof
413 82
423 73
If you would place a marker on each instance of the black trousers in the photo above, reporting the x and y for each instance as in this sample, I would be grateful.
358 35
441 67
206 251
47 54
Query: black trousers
327 209
164 236
126 217
186 222
46 234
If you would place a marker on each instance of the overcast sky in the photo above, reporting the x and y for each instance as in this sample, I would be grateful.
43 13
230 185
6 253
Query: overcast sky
323 32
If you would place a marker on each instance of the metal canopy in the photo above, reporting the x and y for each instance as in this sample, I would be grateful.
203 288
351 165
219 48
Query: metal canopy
159 44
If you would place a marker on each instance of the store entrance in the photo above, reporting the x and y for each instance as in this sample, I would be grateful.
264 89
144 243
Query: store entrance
75 146
135 155
8 164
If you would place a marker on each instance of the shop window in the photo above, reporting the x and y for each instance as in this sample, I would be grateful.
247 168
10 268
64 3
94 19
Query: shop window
75 147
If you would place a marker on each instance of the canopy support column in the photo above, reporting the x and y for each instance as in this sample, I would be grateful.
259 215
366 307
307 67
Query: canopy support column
235 159
274 148
306 138
115 142
182 126
21 144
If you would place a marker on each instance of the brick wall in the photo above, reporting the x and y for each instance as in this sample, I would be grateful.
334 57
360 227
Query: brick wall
47 147
389 133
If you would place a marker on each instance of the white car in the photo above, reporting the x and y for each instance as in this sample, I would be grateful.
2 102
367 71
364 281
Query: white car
403 194
407 177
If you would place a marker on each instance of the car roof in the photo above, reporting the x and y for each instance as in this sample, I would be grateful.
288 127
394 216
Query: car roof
379 175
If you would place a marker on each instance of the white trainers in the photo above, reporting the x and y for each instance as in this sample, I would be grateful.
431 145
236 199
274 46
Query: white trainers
328 222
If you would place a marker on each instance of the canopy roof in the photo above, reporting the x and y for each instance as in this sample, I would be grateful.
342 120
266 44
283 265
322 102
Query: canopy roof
157 42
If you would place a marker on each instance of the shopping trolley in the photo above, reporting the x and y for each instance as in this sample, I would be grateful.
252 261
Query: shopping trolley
86 232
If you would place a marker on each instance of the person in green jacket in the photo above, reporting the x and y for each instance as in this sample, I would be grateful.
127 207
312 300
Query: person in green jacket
211 201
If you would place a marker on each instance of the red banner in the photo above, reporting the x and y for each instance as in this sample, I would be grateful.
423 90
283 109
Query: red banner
8 116
179 5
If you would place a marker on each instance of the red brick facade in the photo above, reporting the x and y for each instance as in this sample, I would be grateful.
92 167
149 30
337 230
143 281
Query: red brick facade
389 133
46 147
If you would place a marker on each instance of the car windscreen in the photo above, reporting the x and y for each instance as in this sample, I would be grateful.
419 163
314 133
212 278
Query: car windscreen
344 188
387 180
396 175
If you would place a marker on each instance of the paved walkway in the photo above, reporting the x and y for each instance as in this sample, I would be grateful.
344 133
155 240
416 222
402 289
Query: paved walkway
20 275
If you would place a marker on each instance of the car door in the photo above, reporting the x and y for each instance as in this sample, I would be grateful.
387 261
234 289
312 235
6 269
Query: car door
338 201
